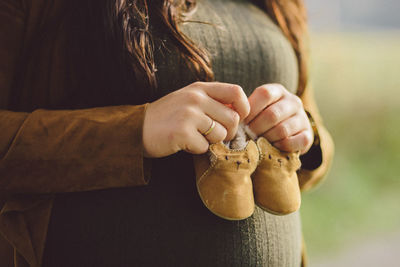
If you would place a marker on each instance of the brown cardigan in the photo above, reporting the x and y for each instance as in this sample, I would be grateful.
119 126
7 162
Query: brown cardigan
44 152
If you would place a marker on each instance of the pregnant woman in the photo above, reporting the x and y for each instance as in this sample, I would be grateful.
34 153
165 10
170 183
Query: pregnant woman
104 104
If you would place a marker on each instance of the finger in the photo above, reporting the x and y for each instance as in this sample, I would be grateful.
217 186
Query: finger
217 134
299 142
286 128
273 115
228 94
262 97
224 115
198 144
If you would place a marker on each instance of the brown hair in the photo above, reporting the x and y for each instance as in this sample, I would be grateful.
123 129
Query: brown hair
135 16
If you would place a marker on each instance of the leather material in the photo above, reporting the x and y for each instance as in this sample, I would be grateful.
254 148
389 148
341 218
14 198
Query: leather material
276 186
33 74
223 179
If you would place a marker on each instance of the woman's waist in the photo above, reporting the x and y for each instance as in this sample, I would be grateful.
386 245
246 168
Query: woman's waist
144 222
165 218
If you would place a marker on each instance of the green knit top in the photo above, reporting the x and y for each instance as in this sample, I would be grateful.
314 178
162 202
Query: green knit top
165 223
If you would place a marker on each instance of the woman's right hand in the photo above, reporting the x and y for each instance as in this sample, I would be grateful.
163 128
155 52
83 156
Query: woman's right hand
176 121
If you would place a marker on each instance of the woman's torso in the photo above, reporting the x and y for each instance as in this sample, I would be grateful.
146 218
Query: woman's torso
165 223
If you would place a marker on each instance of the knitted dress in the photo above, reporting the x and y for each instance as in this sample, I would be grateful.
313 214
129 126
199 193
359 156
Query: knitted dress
165 222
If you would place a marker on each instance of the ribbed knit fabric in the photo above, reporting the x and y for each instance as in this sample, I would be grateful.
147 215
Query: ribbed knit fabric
165 223
246 48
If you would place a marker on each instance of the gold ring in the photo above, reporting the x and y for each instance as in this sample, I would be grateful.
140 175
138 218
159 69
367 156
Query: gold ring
210 129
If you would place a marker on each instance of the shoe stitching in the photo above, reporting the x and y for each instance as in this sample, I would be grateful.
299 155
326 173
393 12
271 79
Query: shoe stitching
214 162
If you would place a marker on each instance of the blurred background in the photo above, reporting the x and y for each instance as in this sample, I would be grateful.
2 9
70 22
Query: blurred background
353 217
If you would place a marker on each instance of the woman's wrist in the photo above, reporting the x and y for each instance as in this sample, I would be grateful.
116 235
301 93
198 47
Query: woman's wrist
312 159
314 129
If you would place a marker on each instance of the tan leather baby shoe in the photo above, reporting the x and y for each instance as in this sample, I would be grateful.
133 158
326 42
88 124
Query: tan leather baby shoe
223 178
275 182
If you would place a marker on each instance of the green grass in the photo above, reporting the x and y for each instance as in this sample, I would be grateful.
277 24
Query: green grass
356 78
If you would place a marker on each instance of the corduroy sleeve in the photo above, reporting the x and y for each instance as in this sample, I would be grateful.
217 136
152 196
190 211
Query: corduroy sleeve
52 151
316 162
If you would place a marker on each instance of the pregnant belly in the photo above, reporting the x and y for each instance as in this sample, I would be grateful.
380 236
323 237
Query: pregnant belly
164 224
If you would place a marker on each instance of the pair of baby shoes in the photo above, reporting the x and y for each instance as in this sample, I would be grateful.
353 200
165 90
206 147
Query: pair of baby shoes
234 176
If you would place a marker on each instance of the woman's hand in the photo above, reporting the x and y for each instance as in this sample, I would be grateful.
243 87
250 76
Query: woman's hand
279 116
176 121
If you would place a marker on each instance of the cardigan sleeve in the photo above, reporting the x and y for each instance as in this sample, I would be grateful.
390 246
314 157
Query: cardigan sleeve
52 151
71 150
317 161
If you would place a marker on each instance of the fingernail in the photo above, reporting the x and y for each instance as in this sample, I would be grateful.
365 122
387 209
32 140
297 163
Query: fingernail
249 132
274 89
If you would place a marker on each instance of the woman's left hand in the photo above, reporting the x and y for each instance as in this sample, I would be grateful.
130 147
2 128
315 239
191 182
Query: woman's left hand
279 116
